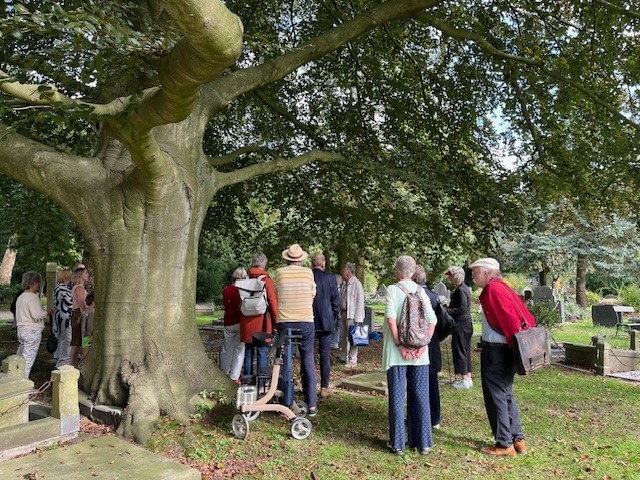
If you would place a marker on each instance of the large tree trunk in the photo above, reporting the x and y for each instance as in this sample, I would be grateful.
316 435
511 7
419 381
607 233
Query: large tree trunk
147 354
581 281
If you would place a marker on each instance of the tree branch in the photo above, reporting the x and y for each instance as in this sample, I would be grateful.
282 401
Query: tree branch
459 34
274 166
291 117
221 91
212 42
617 9
45 170
48 95
233 156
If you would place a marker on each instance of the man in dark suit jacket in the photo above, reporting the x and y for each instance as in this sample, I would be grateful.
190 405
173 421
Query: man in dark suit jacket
326 308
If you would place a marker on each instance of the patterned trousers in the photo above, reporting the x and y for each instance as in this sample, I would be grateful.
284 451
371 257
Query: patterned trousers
29 345
412 382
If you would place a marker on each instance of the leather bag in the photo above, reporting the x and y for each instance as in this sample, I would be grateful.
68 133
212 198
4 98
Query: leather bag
531 350
446 323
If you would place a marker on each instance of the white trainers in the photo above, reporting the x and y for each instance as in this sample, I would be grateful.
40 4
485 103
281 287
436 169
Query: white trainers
463 384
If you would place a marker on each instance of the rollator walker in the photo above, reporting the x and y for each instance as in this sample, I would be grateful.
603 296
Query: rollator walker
273 399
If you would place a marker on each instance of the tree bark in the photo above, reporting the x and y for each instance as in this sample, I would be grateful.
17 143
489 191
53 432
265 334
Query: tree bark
147 354
6 267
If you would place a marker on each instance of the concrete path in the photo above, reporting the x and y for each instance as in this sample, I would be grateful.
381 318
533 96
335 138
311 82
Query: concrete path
107 458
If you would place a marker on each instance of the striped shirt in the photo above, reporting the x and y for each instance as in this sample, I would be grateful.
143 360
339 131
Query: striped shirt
296 289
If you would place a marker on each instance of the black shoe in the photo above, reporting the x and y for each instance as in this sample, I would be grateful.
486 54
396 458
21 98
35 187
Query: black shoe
395 451
313 411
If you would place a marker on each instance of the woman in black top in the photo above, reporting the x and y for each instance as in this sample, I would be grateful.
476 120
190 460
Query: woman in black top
460 309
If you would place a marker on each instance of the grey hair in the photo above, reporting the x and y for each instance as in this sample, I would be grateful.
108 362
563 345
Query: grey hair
351 267
30 278
457 273
239 273
259 260
405 266
420 277
318 260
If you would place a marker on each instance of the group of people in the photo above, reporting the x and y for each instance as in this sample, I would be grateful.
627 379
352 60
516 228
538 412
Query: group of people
309 300
412 372
70 316
73 313
312 302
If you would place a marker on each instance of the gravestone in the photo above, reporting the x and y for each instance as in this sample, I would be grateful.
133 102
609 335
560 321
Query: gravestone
443 293
543 294
368 318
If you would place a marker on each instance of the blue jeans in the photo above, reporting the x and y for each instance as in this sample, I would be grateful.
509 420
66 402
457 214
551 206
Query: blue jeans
307 360
335 336
248 358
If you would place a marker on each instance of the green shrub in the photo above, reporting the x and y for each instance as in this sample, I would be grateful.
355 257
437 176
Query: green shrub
593 298
213 275
575 313
516 281
545 314
630 295
7 292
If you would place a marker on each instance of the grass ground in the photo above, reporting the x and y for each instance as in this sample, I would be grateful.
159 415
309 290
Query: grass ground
578 426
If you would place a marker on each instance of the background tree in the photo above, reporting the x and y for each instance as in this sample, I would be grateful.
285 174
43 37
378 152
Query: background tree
392 105
561 239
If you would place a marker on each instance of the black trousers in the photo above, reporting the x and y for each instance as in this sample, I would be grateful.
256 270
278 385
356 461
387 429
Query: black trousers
496 370
461 348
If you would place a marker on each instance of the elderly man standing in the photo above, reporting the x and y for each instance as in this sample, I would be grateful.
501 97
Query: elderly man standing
296 289
504 313
351 311
326 309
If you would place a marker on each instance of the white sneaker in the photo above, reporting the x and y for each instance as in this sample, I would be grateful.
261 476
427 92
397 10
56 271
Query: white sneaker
462 384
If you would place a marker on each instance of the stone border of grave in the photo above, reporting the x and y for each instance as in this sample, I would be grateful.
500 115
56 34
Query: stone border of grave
604 359
24 425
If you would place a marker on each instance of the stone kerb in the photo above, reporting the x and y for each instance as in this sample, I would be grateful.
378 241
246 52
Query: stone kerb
14 392
64 401
602 358
30 429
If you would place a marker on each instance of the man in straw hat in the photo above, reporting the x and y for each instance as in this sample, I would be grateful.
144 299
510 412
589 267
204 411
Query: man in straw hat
504 312
296 289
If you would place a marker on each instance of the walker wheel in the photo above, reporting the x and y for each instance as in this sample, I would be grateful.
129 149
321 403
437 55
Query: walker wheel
240 426
300 428
303 408
251 416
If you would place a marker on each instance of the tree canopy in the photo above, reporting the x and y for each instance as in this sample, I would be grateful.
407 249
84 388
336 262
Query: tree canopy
373 128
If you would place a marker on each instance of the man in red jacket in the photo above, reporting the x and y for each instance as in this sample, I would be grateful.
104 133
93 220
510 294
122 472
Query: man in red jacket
504 313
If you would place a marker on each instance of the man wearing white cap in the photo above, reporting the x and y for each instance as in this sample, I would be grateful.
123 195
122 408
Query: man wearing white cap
504 313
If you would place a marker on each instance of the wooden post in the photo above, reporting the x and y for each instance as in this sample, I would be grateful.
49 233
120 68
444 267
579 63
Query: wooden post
603 352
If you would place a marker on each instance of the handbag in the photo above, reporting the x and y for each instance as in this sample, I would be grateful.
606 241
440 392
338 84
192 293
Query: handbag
531 350
359 335
52 342
446 324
